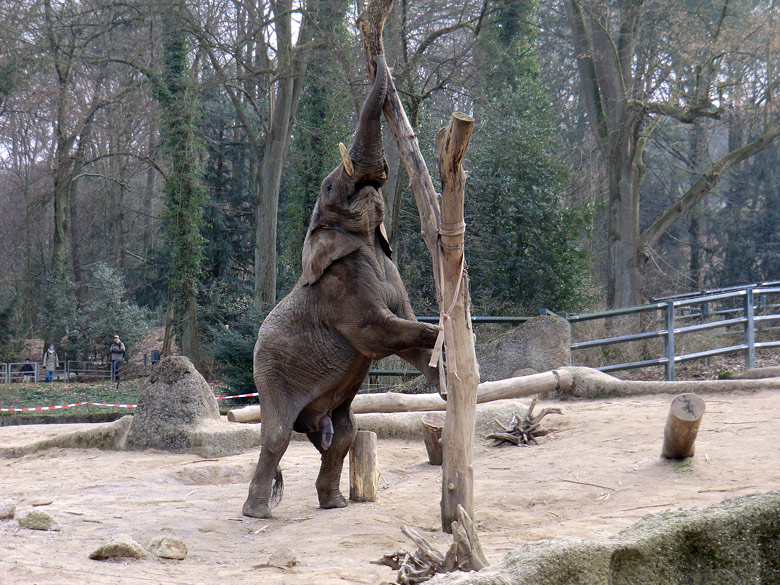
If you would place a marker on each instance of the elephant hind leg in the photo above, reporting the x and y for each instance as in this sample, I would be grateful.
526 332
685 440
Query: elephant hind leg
333 456
267 483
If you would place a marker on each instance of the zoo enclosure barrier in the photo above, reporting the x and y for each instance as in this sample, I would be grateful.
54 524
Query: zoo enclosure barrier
78 370
747 307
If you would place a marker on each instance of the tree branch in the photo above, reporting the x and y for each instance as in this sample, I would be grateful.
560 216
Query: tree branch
703 186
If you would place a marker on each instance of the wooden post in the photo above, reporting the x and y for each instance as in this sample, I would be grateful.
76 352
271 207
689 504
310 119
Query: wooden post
440 230
363 468
455 305
682 425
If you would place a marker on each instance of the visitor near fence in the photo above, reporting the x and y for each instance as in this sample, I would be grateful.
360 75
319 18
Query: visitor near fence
50 363
26 371
118 353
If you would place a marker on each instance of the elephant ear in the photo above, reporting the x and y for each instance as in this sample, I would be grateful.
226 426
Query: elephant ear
381 235
322 247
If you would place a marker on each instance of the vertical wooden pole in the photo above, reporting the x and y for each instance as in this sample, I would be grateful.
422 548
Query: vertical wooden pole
443 235
363 468
461 360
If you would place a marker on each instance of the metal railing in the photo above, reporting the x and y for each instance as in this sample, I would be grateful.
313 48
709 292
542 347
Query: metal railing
76 370
740 309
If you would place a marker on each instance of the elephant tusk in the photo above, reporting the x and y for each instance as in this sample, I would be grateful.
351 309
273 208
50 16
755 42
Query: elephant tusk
347 161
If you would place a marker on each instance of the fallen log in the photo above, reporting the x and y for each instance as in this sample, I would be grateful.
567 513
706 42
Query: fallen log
591 383
393 402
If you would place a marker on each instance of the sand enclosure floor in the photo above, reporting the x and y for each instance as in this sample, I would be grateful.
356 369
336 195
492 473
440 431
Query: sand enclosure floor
598 473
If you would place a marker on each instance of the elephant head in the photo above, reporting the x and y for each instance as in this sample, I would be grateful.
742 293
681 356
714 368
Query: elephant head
350 209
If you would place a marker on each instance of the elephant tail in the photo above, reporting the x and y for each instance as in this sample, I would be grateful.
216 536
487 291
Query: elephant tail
277 490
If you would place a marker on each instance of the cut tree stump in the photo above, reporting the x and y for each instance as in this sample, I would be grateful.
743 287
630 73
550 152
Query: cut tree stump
682 425
433 423
363 468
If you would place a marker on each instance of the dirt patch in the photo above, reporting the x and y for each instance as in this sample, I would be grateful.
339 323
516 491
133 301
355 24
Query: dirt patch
597 473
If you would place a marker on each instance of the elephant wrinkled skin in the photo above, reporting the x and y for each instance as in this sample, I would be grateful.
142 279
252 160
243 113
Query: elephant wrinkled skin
349 307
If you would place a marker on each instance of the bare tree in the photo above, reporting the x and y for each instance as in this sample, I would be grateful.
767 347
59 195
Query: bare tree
626 54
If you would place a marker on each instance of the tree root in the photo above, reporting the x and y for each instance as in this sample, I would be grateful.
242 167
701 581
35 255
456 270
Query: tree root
523 431
465 554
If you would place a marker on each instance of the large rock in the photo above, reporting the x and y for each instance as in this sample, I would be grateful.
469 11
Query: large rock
540 344
177 412
167 547
737 541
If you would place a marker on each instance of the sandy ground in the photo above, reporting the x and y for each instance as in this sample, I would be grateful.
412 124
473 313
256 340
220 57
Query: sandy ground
598 473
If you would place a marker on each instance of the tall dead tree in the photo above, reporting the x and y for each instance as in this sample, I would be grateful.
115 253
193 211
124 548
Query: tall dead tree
442 231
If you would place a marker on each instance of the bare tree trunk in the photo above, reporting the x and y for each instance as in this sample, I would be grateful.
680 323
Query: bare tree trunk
75 247
293 66
462 369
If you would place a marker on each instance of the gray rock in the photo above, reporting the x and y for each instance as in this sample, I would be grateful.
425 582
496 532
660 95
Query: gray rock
540 345
7 509
118 547
175 398
167 547
177 411
38 520
737 541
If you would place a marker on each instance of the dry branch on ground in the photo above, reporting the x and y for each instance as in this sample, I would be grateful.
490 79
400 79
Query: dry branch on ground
465 554
523 431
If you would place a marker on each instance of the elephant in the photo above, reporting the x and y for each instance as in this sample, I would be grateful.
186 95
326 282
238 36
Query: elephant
349 307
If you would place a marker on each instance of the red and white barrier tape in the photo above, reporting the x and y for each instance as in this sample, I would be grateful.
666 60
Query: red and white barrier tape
60 406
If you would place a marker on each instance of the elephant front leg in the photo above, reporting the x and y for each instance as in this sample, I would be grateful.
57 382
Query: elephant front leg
332 464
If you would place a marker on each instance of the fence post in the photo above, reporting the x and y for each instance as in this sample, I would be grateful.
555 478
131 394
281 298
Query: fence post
669 343
750 332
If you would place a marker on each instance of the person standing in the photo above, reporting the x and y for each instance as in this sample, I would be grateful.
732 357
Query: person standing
118 352
50 363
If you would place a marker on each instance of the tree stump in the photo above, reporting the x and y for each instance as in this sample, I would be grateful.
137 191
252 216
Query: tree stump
363 468
682 425
432 427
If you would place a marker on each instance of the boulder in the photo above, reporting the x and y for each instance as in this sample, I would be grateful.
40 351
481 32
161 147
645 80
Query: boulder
167 547
538 345
121 546
737 541
38 520
7 509
177 411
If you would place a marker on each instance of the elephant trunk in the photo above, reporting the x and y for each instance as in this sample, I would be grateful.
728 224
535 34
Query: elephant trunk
367 152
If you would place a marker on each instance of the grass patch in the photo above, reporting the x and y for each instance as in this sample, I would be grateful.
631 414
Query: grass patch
57 393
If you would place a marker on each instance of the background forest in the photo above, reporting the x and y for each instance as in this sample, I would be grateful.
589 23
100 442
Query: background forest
159 160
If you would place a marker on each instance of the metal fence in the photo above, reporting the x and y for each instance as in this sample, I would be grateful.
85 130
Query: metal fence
747 309
75 370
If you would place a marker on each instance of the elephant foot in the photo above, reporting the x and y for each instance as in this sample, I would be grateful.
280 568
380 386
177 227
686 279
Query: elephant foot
333 501
255 510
